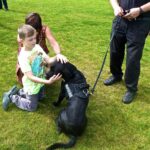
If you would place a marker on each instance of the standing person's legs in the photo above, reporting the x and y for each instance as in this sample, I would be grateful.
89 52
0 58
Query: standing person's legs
1 4
134 54
5 4
136 35
117 48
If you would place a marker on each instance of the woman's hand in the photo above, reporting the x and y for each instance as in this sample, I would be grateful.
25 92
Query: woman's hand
61 58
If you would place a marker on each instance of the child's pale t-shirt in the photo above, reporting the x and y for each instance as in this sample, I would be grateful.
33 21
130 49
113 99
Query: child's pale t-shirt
32 61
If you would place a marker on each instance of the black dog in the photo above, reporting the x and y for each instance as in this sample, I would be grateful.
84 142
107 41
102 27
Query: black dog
72 120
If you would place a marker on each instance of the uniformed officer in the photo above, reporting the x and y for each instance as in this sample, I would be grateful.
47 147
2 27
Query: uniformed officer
131 27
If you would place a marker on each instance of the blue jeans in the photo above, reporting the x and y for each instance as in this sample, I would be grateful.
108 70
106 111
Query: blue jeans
27 102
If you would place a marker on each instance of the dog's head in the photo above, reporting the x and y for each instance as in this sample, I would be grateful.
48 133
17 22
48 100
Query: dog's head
68 71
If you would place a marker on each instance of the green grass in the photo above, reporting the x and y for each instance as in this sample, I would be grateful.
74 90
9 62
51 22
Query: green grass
82 28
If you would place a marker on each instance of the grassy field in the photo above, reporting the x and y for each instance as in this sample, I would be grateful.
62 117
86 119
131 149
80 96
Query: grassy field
82 28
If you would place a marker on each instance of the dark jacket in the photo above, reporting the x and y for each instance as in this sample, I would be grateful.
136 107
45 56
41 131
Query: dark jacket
128 4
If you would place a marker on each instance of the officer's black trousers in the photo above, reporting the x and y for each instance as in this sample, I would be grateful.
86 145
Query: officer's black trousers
5 4
130 35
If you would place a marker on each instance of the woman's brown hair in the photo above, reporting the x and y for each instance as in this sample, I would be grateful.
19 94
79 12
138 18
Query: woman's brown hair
34 20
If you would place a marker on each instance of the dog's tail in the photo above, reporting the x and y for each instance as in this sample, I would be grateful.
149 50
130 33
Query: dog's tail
71 143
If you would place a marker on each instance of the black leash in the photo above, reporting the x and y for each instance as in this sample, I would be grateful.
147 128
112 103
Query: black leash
102 66
103 63
101 69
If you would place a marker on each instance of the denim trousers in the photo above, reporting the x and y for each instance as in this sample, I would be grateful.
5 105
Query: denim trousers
27 102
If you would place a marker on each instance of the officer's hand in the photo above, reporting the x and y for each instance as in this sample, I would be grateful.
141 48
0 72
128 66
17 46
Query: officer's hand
118 11
133 14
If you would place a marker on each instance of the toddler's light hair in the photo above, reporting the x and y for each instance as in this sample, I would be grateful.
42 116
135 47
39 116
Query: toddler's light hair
26 31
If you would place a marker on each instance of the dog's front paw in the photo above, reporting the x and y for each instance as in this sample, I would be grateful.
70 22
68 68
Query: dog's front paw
55 104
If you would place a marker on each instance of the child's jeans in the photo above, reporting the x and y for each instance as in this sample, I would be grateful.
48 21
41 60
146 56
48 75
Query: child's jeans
27 102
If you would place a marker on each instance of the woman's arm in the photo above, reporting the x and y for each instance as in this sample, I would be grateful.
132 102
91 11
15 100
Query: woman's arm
55 46
52 41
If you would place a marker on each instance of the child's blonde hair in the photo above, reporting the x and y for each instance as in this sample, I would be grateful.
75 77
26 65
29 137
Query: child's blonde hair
26 31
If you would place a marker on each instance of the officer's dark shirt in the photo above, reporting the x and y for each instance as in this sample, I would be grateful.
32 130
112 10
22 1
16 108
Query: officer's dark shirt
128 4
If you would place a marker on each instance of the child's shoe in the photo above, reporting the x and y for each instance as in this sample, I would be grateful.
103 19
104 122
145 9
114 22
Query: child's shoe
6 97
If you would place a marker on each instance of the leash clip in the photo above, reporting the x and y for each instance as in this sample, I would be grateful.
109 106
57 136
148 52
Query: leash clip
86 92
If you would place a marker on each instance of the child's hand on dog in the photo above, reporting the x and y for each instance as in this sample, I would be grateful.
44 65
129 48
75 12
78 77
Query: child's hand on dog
54 78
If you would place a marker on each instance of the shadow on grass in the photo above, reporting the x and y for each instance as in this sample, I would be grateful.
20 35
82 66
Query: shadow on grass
24 146
3 26
46 105
112 126
18 11
14 12
19 147
143 94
